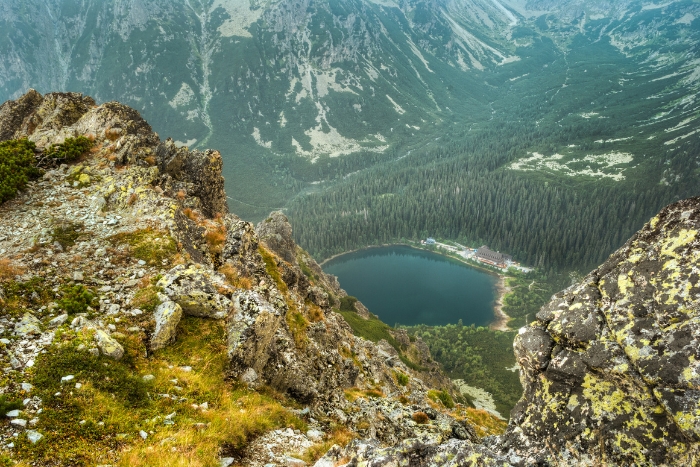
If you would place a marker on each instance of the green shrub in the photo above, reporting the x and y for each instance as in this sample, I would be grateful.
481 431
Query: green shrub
7 404
401 378
443 397
76 299
70 149
16 167
66 233
347 303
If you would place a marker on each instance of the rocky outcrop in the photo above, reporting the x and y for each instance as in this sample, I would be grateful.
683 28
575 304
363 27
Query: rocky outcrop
611 366
197 173
276 232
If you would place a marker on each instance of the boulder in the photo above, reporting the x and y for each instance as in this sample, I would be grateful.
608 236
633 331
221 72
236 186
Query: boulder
108 346
611 367
196 289
167 316
28 326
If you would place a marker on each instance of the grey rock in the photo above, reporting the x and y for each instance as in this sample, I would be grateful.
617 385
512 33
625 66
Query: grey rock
34 436
195 289
58 320
108 346
28 326
167 316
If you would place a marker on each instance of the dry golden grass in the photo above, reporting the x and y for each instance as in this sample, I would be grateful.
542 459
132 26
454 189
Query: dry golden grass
483 422
234 279
420 417
8 270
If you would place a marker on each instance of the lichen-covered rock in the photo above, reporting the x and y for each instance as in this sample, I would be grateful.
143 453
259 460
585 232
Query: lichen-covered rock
167 316
241 246
276 232
28 326
196 289
612 366
198 172
108 345
251 328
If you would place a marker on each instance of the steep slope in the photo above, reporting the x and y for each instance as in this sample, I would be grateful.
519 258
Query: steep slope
609 368
144 324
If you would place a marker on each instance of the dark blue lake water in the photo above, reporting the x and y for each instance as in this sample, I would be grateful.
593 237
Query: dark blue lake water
408 286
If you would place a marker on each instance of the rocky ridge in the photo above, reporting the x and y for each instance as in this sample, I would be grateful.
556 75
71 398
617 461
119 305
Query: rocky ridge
143 226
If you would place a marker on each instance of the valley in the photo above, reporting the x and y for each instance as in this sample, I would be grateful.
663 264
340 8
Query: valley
551 130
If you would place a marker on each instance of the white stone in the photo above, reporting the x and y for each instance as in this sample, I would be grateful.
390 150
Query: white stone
143 434
13 413
34 436
67 378
19 422
26 387
148 378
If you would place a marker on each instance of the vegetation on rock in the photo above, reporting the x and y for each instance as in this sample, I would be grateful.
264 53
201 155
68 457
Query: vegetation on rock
70 150
16 167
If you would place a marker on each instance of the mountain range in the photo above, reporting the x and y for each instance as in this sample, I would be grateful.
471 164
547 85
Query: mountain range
300 96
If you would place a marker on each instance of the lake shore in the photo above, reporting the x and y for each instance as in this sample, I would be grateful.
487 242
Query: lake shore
501 319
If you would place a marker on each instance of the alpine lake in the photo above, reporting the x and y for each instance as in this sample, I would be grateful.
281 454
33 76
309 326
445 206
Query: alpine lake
407 286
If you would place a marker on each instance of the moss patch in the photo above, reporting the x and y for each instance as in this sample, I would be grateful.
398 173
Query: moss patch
155 247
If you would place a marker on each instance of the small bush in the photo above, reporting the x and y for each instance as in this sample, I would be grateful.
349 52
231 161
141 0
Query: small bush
7 404
347 303
401 378
76 299
70 150
66 233
16 167
442 397
421 418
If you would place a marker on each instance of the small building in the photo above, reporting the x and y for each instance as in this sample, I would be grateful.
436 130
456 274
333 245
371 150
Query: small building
430 241
494 258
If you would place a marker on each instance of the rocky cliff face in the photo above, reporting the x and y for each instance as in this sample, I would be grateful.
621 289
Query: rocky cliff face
120 248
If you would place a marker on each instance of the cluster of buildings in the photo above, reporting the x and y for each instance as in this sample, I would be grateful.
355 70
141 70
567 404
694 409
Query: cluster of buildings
493 258
483 255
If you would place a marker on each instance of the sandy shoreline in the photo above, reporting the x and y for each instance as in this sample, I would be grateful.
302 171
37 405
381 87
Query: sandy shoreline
501 322
501 319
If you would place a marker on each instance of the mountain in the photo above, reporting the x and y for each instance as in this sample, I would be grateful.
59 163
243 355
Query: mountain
303 96
145 324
